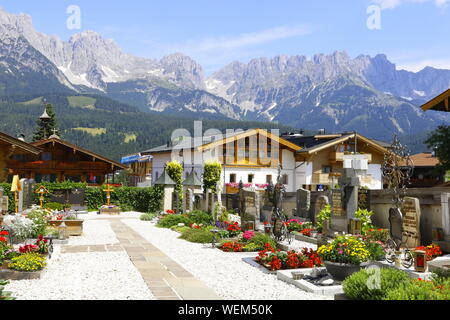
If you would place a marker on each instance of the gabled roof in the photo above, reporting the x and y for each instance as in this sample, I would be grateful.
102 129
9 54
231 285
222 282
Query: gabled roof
340 139
77 148
192 180
208 142
424 160
440 103
165 180
22 145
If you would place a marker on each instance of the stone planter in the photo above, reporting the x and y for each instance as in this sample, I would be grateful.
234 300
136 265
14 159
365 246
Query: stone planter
74 227
8 274
110 211
340 271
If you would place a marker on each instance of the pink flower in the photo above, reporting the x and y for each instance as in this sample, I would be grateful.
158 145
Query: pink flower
248 235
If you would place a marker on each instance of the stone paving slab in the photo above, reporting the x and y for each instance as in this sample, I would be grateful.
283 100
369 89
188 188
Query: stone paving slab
166 279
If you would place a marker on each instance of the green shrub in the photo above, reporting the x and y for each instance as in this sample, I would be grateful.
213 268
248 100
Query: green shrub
54 206
356 286
4 295
197 236
252 247
260 240
323 216
200 217
179 229
366 221
173 220
175 171
377 252
28 262
212 172
52 231
148 217
420 290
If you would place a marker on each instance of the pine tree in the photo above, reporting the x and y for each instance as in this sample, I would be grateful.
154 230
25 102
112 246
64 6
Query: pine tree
46 128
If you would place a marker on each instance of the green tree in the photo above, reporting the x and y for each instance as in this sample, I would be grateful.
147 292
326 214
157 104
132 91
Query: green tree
211 175
175 171
439 140
45 128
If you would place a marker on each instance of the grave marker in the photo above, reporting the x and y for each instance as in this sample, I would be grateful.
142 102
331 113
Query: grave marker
411 222
321 203
303 203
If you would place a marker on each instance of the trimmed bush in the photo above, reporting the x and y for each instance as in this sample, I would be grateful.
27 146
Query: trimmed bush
200 217
420 290
148 217
212 172
128 198
173 220
356 286
197 236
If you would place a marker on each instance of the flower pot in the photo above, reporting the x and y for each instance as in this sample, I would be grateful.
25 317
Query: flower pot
340 271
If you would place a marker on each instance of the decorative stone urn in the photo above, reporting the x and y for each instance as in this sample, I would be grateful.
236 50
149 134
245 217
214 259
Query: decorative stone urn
340 271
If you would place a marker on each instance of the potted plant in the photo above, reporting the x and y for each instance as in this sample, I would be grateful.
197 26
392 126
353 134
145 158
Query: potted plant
344 256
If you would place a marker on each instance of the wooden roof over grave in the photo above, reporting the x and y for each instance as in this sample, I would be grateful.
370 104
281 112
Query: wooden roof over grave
440 103
19 145
192 180
57 141
165 180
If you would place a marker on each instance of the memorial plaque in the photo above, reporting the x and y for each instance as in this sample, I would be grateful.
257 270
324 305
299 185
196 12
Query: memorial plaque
364 199
337 209
411 222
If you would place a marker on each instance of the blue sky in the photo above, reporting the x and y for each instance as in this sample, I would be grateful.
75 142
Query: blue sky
216 32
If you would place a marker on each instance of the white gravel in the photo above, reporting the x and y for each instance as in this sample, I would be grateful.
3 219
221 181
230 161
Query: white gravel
95 232
85 276
225 273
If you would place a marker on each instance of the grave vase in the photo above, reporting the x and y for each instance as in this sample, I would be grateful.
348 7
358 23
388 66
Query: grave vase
340 271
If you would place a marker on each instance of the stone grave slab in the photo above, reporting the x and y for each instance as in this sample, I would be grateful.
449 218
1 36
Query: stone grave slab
411 222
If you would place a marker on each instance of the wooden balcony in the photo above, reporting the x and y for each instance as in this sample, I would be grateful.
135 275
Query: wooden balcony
55 165
321 178
339 156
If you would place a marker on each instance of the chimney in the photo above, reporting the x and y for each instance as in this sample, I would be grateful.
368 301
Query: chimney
321 131
21 137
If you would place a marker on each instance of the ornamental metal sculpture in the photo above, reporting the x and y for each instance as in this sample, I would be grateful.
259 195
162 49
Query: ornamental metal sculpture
397 171
279 221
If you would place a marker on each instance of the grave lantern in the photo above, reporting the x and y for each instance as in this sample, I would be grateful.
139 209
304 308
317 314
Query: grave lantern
214 231
62 229
420 261
169 187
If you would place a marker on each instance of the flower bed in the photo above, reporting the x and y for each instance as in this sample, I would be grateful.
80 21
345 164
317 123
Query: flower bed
275 260
432 251
25 263
248 241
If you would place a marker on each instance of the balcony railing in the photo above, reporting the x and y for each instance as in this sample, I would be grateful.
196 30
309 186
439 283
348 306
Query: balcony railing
58 165
339 156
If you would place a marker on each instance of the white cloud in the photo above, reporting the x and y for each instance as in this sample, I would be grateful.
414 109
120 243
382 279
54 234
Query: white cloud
391 4
246 39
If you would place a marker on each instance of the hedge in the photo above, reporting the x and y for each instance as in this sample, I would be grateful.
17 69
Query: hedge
128 198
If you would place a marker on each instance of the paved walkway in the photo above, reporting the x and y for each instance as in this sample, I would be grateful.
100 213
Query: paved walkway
165 278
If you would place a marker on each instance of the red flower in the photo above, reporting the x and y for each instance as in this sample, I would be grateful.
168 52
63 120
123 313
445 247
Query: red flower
4 233
2 239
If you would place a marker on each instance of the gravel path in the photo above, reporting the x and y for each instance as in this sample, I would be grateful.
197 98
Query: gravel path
85 276
225 273
95 232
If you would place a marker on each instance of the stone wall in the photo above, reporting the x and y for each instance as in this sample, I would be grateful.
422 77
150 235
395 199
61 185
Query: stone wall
435 214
